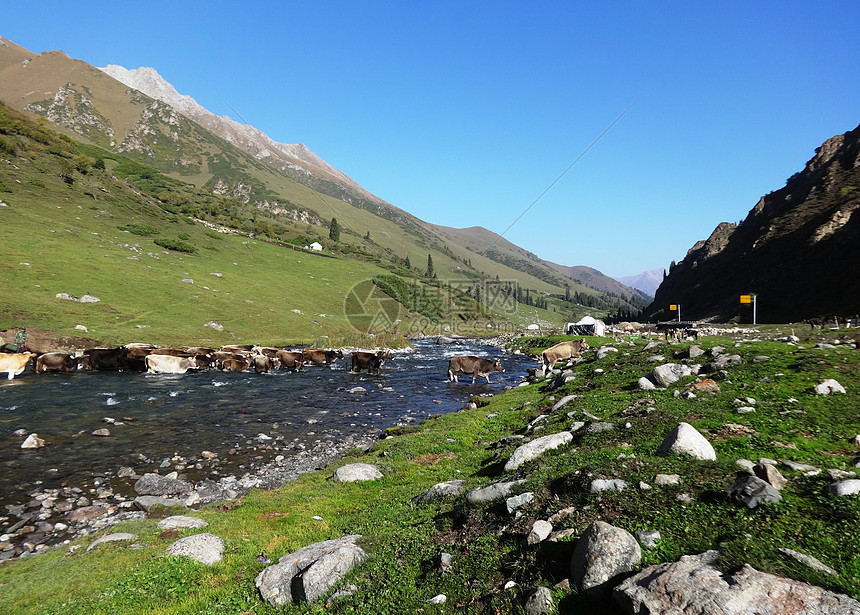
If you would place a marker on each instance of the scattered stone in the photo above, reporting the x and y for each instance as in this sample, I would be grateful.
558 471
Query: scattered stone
829 386
205 548
491 493
354 472
695 351
745 409
667 479
809 561
604 351
745 464
645 384
603 552
561 515
751 491
694 585
599 427
111 538
539 532
88 513
33 441
102 433
306 574
703 386
684 439
602 484
214 325
807 469
157 485
761 358
446 563
725 360
844 487
81 328
648 538
664 375
438 599
840 474
179 522
518 501
562 402
441 490
540 602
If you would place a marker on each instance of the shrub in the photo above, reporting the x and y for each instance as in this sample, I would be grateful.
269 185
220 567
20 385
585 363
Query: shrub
177 245
143 230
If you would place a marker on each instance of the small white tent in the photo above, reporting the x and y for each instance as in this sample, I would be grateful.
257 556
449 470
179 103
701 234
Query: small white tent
587 325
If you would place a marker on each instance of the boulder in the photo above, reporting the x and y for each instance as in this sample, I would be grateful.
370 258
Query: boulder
725 360
770 474
603 552
664 375
685 440
155 484
694 586
562 402
111 538
536 448
845 487
441 490
751 491
179 522
353 472
518 501
493 492
607 484
829 386
307 574
33 441
205 548
645 384
539 532
540 602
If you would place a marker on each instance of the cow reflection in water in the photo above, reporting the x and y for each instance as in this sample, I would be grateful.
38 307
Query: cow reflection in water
476 366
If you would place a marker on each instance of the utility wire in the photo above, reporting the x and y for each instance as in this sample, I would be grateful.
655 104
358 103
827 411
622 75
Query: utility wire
557 179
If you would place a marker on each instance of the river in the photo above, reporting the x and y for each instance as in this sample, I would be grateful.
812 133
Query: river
156 417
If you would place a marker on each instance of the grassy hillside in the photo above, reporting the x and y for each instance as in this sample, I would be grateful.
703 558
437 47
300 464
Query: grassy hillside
80 220
486 542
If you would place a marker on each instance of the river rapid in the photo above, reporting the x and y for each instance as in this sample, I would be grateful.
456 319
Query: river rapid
161 422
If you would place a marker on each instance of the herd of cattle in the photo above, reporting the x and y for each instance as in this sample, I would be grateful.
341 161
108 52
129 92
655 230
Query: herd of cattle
240 358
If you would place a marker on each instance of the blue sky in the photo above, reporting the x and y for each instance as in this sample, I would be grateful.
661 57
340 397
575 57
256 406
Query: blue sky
463 113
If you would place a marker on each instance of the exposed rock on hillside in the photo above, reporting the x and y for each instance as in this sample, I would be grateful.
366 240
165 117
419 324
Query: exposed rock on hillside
793 250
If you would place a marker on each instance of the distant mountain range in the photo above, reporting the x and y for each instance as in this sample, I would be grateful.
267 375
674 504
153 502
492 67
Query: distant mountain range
797 250
647 281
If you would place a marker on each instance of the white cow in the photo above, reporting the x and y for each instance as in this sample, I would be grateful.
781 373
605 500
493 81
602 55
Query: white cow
168 364
14 364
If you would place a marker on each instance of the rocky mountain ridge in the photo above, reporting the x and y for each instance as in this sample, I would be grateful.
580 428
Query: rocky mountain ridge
794 250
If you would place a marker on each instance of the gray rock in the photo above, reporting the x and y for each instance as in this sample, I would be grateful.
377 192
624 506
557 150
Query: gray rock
540 602
807 469
536 448
305 575
562 402
446 563
645 384
664 375
493 492
695 351
685 440
667 479
438 599
438 491
693 586
179 522
828 387
518 501
604 484
770 474
33 441
205 548
604 351
145 502
648 538
751 491
155 484
809 561
353 472
599 427
603 552
845 487
111 538
725 360
539 532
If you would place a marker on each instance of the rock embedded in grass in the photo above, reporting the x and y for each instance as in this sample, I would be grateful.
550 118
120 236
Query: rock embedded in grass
440 490
204 548
355 472
829 387
686 440
603 552
751 491
536 448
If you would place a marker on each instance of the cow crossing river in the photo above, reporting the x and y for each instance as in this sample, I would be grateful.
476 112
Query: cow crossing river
154 417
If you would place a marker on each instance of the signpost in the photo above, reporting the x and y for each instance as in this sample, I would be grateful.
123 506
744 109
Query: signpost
676 307
751 298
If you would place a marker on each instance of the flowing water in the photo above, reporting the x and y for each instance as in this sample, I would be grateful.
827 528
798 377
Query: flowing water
159 416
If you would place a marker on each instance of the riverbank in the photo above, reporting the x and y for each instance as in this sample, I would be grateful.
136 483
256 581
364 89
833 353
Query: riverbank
761 406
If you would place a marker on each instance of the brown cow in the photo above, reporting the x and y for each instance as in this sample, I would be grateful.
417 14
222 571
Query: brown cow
238 364
105 359
562 350
290 360
262 364
56 362
14 364
371 361
320 357
476 366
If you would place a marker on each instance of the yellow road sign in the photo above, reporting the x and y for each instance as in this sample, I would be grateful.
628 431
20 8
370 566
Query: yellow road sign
673 307
746 298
